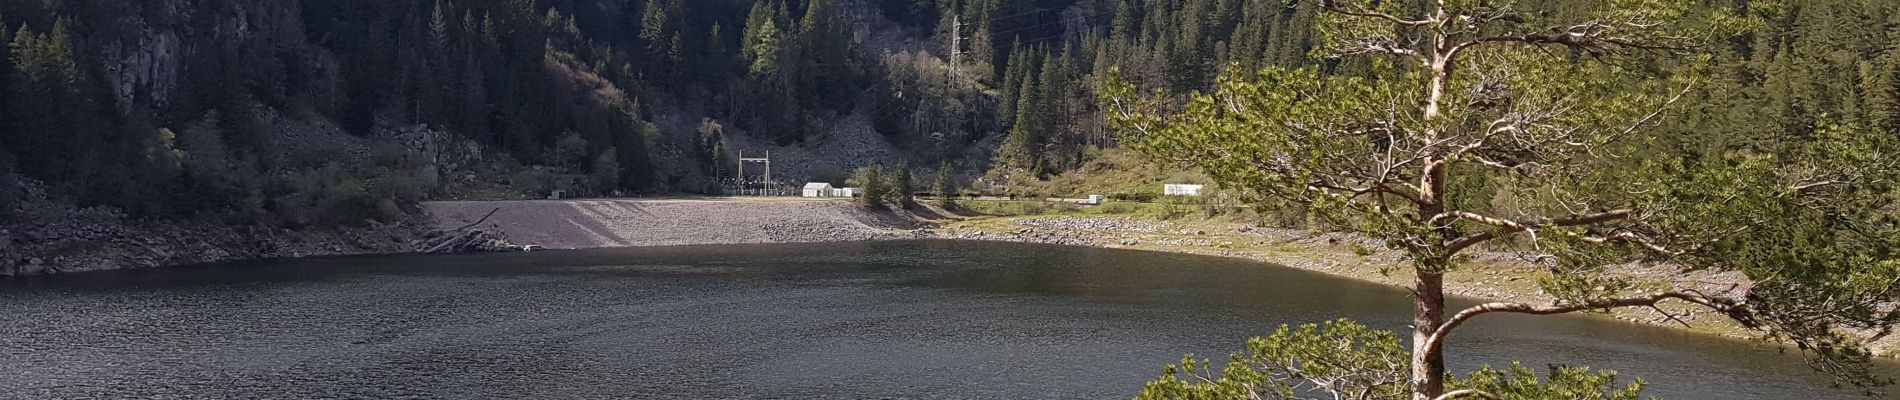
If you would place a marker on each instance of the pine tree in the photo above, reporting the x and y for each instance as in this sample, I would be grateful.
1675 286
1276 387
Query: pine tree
657 28
606 173
762 40
630 133
1022 148
1881 83
1066 110
471 116
1045 108
48 128
924 11
1186 62
6 93
871 180
902 194
823 55
982 53
1012 82
209 181
1123 27
946 190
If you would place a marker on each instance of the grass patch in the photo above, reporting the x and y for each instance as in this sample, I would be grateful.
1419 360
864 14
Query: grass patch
1116 173
1029 208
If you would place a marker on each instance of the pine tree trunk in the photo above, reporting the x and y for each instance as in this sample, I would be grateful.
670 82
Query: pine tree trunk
1428 314
1428 283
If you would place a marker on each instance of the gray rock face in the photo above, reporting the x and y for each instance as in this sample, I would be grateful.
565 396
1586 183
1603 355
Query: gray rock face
149 62
144 60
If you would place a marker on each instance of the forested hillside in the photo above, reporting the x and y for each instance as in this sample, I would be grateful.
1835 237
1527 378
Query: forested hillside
310 112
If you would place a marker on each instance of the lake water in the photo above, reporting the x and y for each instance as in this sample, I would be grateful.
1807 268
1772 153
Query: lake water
913 319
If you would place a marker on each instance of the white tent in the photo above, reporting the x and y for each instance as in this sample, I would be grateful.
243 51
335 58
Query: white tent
818 189
1176 189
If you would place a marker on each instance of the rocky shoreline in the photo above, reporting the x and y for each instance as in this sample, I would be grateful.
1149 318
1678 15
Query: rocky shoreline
72 247
47 237
92 240
1133 233
1491 276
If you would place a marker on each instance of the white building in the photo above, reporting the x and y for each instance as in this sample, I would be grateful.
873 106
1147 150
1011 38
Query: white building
1178 189
844 192
819 189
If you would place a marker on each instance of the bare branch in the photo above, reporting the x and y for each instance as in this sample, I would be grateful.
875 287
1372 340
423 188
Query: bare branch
1726 305
1508 226
1636 239
1381 46
1596 38
1467 393
1651 117
1374 188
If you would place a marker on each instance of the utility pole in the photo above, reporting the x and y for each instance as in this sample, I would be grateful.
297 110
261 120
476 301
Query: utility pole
956 44
956 47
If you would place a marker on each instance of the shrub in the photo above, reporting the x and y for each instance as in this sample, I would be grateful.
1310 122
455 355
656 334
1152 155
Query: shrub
326 196
535 181
1032 207
1114 207
385 187
606 175
570 152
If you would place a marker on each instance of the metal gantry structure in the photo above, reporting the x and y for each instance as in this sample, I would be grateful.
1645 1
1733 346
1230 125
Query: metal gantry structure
767 160
763 187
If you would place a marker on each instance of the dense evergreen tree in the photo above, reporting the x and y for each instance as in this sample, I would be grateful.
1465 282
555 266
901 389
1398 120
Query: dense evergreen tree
1011 86
501 73
1022 148
764 38
945 187
50 129
903 194
874 186
6 117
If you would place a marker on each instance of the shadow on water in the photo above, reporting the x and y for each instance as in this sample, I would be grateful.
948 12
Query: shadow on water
916 319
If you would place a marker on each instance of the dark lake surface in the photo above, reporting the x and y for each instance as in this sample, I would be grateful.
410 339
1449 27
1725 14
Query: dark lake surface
913 319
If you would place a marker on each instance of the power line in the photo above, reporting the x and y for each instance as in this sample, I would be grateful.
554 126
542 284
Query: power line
1046 24
1037 11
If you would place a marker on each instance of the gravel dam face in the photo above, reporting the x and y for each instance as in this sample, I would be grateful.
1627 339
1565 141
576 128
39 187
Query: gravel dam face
586 224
